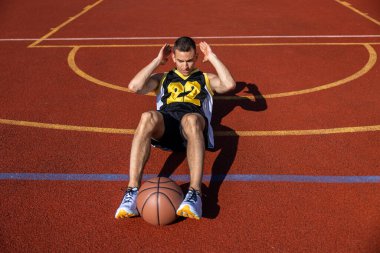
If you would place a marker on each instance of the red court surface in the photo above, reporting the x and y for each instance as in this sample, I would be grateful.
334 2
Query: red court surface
296 164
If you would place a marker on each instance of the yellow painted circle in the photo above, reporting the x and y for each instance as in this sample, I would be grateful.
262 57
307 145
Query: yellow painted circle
71 61
372 58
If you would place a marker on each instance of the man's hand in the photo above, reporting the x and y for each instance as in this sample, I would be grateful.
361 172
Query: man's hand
145 81
223 81
206 50
164 54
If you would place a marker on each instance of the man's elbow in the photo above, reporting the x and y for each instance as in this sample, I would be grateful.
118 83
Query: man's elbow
132 87
231 85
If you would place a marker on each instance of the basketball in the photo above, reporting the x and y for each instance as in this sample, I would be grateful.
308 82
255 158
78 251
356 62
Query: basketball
158 200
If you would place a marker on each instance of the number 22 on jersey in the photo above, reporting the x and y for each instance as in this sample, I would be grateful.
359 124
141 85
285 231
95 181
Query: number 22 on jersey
184 93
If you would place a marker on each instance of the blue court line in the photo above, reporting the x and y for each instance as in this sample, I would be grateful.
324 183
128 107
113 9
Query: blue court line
185 178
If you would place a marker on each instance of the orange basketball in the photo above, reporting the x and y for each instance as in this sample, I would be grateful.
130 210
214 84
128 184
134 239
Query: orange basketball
158 200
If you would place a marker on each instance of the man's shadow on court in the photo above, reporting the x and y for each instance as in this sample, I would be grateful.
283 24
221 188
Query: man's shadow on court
227 144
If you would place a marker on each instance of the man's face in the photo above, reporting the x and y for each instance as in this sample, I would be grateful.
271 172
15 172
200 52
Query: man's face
185 61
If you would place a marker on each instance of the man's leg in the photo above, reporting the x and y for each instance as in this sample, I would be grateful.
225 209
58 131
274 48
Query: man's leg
193 125
151 126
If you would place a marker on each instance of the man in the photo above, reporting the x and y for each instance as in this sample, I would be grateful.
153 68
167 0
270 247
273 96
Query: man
182 120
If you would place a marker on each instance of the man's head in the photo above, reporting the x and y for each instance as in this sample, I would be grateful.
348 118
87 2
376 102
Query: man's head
184 55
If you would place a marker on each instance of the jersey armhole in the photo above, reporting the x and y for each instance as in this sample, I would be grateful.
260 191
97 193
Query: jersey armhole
158 88
208 84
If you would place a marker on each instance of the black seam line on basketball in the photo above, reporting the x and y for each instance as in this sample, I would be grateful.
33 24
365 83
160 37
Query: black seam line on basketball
146 199
166 182
158 212
157 201
170 180
166 188
175 210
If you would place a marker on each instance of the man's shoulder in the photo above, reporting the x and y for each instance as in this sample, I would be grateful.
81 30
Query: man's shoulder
211 75
158 76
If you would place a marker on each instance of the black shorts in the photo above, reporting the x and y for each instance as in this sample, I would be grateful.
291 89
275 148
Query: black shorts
173 138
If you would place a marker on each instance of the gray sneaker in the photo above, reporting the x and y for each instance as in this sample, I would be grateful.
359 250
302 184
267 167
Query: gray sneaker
128 207
191 206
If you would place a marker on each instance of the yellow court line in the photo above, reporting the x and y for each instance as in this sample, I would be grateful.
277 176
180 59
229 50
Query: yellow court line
367 67
78 71
66 127
340 130
348 5
215 45
89 7
100 46
81 73
292 44
56 29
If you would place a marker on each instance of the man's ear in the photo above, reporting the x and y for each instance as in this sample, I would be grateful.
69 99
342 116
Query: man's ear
173 56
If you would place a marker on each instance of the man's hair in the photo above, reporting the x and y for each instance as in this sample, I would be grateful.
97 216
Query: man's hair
184 44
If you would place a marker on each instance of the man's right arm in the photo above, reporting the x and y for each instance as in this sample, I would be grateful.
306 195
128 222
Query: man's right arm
145 81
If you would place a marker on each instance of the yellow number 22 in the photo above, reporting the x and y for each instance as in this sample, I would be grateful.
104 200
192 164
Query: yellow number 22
184 93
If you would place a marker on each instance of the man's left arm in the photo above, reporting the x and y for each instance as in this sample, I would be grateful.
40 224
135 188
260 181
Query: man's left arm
223 81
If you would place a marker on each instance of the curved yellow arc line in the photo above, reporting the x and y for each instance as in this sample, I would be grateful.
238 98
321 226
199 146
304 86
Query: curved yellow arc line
339 130
79 72
367 67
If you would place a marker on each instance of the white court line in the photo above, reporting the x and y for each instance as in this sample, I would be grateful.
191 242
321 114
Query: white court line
200 37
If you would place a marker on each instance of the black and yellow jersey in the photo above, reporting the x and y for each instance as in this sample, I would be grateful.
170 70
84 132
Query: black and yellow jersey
190 93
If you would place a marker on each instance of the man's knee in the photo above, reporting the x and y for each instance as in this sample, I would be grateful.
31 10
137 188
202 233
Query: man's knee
149 121
192 123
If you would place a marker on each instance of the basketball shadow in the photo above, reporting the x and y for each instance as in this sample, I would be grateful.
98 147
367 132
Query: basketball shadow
227 145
